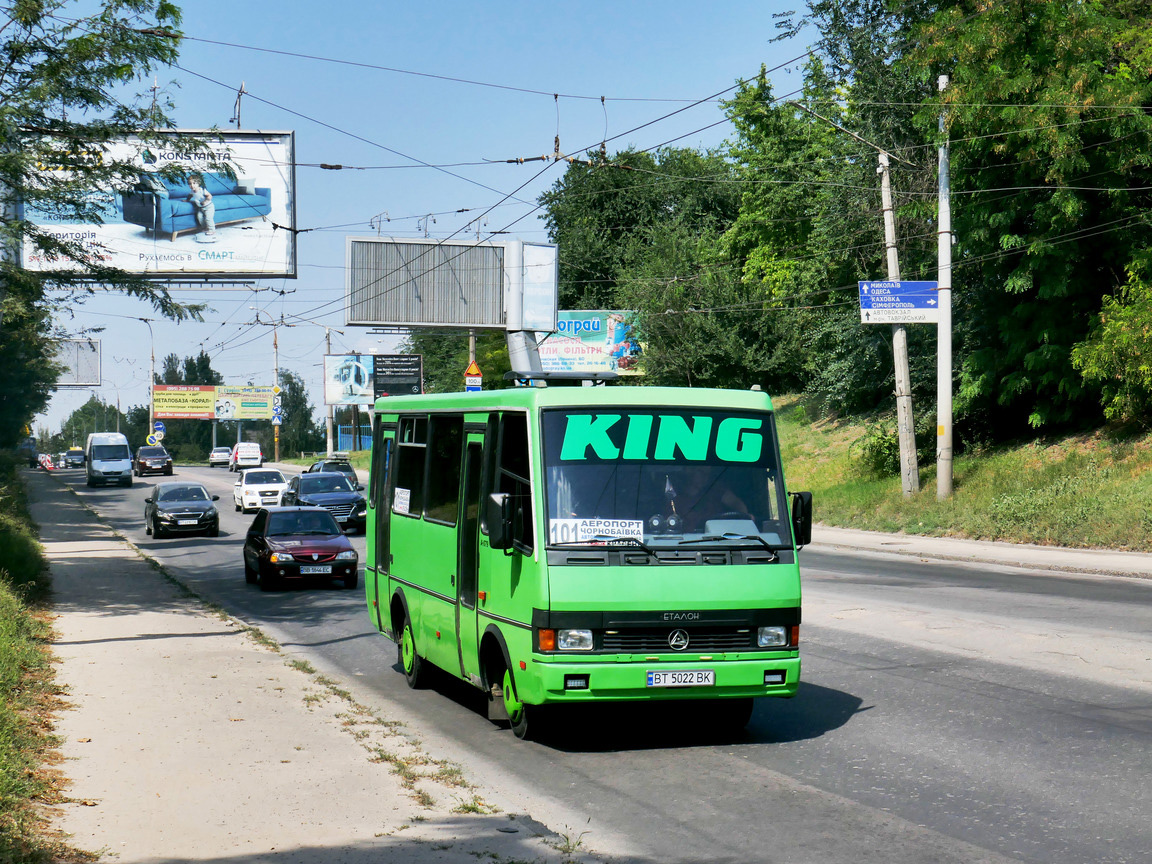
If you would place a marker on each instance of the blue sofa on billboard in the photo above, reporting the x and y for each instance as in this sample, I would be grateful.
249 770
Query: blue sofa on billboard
161 205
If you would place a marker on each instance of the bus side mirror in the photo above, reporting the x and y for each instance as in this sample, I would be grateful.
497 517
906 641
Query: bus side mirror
802 518
498 516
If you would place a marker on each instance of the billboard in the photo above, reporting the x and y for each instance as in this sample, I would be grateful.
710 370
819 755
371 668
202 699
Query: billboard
590 340
203 225
360 379
499 284
243 403
183 401
81 361
207 402
398 375
349 379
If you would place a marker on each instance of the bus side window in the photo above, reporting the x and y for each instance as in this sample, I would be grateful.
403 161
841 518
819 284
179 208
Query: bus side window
514 478
410 457
445 452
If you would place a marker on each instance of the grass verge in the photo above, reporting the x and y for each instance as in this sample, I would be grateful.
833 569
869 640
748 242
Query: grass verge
1090 490
28 693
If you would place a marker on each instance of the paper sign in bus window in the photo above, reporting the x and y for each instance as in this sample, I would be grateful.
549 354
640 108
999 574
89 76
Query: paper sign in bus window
585 530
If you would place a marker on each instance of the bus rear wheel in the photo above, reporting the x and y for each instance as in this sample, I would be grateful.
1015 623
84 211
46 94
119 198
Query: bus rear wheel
412 663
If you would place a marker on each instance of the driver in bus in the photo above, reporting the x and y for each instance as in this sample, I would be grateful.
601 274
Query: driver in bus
699 493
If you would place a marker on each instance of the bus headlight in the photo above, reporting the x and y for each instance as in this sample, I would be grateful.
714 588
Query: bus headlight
574 640
772 637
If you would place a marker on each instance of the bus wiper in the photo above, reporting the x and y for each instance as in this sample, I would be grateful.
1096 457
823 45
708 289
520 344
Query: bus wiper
714 538
605 538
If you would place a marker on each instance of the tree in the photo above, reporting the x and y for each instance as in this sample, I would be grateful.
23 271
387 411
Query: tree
445 357
1048 111
598 210
63 84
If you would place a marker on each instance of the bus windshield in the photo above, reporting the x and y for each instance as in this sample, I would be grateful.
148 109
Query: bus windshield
664 477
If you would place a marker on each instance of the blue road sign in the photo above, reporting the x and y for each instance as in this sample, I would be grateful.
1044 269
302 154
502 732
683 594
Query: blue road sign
158 426
899 302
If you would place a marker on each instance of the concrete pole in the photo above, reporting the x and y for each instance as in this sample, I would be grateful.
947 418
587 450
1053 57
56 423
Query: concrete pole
329 425
944 328
909 470
275 383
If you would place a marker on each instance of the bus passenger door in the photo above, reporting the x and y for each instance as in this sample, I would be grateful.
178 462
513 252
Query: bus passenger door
378 552
467 559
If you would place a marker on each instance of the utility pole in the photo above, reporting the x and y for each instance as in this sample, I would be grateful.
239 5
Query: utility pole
329 421
275 383
909 470
944 328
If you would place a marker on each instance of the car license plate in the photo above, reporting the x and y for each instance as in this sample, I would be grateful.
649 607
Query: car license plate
186 521
681 678
315 570
341 518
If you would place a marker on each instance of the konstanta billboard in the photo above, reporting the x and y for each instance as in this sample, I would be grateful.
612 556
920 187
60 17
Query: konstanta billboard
200 224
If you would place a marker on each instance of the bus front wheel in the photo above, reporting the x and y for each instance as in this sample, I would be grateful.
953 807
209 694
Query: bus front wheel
412 662
524 719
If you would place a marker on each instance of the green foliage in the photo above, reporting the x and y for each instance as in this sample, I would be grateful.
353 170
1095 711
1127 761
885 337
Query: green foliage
445 357
1051 152
877 450
1118 354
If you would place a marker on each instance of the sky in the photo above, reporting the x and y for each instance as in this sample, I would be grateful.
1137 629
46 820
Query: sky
417 99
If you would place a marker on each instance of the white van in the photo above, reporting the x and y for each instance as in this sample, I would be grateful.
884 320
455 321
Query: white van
246 454
107 459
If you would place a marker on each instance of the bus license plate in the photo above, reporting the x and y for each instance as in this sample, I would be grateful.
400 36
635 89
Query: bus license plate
690 678
315 570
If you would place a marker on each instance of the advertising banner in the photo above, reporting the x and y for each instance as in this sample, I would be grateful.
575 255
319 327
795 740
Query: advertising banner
589 340
203 224
398 374
349 379
243 403
183 401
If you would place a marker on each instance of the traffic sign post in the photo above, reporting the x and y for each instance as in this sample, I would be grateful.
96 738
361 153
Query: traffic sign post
899 302
473 379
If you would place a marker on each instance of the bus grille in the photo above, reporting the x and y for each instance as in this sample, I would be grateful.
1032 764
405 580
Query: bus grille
656 641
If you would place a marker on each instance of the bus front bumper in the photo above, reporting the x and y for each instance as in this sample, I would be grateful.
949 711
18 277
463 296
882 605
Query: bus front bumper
566 681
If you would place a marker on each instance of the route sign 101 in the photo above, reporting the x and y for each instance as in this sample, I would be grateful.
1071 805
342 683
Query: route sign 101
899 303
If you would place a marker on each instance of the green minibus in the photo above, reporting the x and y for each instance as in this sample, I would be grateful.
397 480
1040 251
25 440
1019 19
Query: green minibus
563 545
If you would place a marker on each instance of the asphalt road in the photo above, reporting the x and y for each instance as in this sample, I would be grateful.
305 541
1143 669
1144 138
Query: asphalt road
947 713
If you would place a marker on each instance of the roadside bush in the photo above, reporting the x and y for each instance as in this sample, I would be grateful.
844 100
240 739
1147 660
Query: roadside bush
877 451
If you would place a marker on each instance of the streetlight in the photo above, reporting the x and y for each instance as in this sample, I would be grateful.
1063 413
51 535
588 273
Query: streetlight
151 376
275 379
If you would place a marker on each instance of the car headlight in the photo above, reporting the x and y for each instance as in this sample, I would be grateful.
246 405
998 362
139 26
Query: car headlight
349 555
164 517
281 557
772 637
574 640
210 512
363 511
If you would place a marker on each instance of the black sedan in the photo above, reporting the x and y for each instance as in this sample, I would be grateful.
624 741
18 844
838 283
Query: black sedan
297 543
181 508
334 492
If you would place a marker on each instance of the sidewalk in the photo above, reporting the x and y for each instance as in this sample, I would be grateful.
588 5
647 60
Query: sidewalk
187 740
1098 561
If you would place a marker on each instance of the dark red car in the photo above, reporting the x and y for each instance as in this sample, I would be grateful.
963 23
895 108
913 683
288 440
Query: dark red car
294 543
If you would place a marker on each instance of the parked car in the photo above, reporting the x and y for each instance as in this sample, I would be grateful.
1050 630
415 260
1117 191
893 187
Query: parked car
246 454
74 457
151 460
219 456
181 508
338 462
297 543
332 491
258 487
